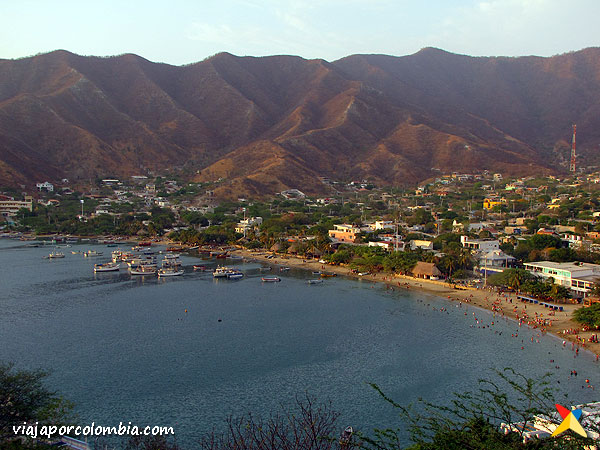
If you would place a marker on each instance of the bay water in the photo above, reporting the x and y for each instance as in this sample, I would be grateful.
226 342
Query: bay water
190 351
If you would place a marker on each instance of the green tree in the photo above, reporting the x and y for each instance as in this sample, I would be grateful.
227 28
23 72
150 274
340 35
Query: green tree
589 316
471 420
25 398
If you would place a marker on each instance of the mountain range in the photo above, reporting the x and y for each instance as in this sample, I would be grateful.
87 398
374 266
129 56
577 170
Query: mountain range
261 125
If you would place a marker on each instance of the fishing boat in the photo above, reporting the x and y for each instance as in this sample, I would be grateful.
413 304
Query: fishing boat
271 279
143 270
328 275
221 272
317 272
265 269
55 255
284 269
106 267
92 253
199 267
235 275
315 281
170 272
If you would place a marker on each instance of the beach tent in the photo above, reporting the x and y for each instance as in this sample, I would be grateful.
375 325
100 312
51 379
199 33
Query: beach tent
426 270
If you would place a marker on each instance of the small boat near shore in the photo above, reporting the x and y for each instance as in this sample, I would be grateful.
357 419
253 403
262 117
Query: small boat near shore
221 272
318 281
235 275
200 268
328 275
270 279
90 253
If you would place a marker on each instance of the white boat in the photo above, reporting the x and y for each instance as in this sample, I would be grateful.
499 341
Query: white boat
315 281
235 275
143 270
271 279
92 253
170 272
55 255
106 267
222 272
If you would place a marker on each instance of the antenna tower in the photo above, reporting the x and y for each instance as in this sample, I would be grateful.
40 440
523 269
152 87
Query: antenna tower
572 166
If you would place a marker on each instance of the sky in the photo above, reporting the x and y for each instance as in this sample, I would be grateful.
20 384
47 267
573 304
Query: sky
186 31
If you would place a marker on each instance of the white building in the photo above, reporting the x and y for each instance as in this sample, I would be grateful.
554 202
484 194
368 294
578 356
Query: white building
423 244
10 207
245 224
485 245
494 261
46 185
383 225
577 276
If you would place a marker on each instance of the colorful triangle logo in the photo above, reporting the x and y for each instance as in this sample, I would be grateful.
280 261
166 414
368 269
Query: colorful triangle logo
570 421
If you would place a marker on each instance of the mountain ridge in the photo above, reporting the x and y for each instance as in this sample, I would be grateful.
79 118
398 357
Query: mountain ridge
261 125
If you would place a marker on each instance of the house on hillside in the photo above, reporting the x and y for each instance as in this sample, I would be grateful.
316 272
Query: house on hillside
344 233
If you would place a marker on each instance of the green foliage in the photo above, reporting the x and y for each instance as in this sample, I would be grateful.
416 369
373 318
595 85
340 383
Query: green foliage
513 278
471 420
542 241
24 398
342 256
589 316
562 254
400 262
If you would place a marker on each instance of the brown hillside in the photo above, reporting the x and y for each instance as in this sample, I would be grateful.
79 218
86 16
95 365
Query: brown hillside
266 124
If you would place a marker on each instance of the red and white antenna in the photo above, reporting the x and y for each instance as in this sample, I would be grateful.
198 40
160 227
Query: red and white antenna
572 166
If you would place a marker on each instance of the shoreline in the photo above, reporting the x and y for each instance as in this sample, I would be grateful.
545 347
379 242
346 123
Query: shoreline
505 305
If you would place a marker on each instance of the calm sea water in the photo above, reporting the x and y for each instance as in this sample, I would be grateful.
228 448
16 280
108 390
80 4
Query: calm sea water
124 349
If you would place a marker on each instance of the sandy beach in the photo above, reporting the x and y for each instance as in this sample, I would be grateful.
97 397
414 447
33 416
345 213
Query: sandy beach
502 304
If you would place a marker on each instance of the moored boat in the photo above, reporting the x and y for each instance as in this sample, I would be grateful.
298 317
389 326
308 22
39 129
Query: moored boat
170 272
106 267
221 272
271 279
315 281
143 270
328 275
235 275
55 255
